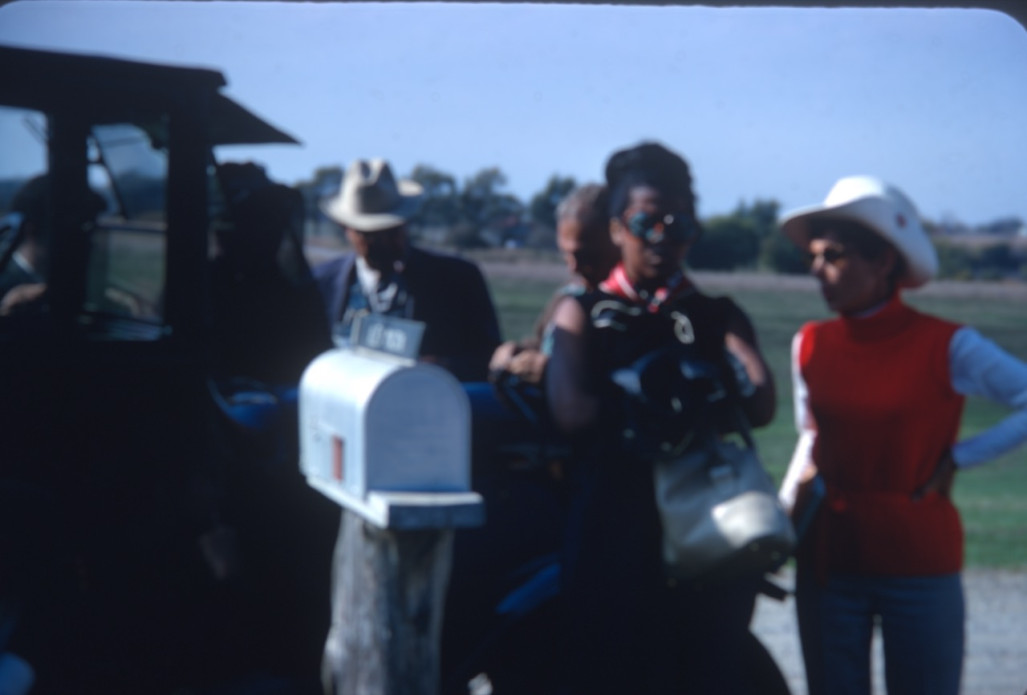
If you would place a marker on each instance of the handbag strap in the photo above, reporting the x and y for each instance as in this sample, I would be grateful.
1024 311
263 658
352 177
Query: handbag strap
734 395
742 423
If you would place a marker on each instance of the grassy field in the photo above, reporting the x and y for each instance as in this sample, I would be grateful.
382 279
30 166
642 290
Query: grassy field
992 499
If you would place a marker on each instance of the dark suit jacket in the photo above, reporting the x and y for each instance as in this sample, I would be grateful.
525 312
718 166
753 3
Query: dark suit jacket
451 298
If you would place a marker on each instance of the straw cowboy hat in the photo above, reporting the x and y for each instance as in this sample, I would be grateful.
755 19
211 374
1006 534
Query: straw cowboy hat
370 199
880 207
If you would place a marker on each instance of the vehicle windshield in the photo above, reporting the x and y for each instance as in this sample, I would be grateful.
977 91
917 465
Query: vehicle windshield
136 165
128 167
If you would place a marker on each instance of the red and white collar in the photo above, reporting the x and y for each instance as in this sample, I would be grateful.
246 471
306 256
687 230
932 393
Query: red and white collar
618 284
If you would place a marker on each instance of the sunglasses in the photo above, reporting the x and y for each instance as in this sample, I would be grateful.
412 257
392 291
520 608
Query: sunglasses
676 227
830 256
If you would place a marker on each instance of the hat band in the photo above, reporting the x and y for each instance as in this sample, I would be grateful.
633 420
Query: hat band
374 199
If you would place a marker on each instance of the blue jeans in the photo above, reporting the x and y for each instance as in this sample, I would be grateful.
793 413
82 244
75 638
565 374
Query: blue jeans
922 628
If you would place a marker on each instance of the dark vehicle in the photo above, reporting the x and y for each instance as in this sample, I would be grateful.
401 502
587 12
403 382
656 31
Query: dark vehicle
145 547
156 535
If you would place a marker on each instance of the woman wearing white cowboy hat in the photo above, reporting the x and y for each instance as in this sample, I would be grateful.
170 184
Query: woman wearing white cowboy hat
879 393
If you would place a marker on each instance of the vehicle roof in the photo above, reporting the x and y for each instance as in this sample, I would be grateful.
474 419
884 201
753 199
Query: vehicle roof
47 80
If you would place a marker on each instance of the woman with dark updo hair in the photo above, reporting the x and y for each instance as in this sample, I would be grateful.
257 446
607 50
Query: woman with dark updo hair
631 628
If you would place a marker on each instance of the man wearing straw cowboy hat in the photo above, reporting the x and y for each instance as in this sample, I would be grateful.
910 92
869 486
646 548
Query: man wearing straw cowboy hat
385 274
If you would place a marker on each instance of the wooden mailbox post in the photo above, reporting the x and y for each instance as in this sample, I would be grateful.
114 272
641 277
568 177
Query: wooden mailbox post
389 440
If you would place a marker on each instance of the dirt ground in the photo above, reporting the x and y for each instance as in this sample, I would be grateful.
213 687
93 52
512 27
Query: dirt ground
996 635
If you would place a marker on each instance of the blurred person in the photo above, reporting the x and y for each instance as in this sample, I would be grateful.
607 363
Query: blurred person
274 533
268 315
631 628
583 238
521 485
385 274
879 395
25 253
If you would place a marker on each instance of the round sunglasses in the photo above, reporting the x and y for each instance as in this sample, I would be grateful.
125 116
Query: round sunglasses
831 255
653 229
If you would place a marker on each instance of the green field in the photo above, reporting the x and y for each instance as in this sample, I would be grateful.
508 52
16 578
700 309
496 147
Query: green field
992 498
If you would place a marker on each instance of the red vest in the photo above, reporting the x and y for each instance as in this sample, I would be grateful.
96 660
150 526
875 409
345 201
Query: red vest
885 412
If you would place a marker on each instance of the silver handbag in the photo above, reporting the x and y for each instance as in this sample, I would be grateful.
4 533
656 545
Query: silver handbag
720 512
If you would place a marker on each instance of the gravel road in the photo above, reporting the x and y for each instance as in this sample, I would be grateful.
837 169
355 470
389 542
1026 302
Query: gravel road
996 649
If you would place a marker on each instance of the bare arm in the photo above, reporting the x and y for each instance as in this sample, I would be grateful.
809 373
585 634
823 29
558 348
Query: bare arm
527 364
571 401
741 342
801 469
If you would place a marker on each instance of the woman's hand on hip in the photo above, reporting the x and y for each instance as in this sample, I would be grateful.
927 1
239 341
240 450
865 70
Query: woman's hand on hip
941 479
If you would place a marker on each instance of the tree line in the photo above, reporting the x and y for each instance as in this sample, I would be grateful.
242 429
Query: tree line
479 212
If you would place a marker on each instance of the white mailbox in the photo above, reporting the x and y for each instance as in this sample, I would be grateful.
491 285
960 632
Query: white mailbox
389 439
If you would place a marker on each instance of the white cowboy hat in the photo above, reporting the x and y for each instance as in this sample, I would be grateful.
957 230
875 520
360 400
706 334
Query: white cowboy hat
882 208
370 199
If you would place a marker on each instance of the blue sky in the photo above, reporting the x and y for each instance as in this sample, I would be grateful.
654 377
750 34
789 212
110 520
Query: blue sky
764 102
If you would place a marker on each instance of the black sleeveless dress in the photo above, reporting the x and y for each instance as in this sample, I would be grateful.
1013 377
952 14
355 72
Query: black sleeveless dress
630 628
